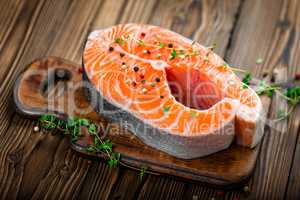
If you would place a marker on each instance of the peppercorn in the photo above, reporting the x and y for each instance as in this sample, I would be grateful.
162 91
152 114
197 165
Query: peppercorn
136 68
122 55
111 49
170 45
157 79
143 34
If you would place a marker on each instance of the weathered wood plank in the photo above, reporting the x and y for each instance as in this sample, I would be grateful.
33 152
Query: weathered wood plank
293 187
52 28
269 33
162 188
292 52
32 29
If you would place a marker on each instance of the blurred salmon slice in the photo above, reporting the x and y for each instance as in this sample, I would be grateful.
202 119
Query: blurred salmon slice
174 94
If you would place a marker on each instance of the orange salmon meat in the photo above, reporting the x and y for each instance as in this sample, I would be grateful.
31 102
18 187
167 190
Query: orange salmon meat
174 94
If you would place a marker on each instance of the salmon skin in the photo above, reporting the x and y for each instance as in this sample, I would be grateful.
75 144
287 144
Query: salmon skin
174 94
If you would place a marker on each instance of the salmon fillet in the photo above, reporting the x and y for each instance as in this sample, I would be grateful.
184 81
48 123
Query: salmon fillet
174 94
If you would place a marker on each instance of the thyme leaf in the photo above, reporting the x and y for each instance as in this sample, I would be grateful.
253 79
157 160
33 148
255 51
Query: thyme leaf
166 108
173 54
72 127
246 80
142 172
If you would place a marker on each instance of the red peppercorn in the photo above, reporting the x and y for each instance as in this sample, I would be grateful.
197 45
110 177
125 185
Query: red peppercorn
142 76
134 84
297 76
80 70
143 34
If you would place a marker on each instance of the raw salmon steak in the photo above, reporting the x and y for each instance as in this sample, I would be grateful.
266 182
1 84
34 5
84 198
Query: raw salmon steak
174 94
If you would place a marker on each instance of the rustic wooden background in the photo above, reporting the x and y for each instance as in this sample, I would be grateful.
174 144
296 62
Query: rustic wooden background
37 165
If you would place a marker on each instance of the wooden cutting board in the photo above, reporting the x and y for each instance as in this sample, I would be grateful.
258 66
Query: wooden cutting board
35 94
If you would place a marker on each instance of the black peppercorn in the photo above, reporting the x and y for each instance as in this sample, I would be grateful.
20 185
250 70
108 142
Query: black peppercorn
157 79
136 68
111 49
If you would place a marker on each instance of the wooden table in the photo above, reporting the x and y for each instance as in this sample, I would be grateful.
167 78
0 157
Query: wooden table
37 165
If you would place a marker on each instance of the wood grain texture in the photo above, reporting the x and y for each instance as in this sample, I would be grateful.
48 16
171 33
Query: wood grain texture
274 34
243 30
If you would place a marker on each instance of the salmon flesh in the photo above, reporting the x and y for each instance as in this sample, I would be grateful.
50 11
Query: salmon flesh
174 94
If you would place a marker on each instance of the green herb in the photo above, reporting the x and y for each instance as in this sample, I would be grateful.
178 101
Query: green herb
142 172
120 41
140 42
259 61
281 114
225 66
246 80
166 108
92 129
161 45
84 122
293 95
193 114
72 127
114 159
264 88
48 122
173 54
103 145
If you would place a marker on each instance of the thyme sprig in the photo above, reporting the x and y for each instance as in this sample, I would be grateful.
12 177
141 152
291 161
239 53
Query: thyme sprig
72 127
291 94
